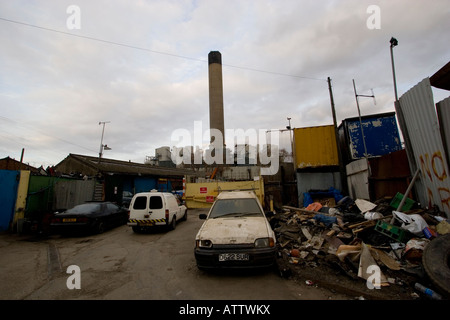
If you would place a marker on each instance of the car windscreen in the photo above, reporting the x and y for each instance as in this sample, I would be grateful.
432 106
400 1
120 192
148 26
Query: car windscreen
85 208
229 207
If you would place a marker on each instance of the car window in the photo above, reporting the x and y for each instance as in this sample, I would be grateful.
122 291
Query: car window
111 207
84 208
156 202
140 203
235 206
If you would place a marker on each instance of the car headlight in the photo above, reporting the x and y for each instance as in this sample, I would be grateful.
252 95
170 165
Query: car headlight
203 243
264 242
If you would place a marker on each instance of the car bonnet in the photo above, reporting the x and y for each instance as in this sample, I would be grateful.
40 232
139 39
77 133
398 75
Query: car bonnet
233 230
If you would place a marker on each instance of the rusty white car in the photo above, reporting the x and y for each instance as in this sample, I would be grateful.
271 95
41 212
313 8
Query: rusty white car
236 234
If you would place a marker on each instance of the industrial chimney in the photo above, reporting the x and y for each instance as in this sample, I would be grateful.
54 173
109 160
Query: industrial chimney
215 92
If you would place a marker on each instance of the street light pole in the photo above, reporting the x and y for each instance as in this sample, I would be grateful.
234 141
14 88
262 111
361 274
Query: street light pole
101 141
394 43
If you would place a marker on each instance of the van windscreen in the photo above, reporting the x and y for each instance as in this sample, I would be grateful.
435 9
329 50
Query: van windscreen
156 202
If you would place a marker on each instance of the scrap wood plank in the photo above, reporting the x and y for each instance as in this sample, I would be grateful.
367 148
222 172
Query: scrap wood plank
367 222
300 210
331 233
364 227
385 259
332 239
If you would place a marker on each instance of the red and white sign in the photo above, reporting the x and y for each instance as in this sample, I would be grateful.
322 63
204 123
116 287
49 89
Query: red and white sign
203 190
209 199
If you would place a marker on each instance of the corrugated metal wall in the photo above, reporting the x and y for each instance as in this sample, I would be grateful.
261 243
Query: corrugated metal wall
40 195
46 194
443 111
421 124
315 147
69 193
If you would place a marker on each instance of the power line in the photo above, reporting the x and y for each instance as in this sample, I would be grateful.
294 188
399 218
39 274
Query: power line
274 73
43 133
100 40
154 51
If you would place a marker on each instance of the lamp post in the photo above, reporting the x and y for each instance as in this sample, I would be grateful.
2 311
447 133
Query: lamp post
393 43
103 147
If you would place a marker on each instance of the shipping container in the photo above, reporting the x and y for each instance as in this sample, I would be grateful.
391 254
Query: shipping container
381 136
315 147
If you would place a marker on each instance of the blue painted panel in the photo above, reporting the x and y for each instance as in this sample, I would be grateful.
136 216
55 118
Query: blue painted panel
9 181
128 184
143 184
380 132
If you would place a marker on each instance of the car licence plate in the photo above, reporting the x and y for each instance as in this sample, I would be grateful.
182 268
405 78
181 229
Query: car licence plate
146 223
69 220
233 257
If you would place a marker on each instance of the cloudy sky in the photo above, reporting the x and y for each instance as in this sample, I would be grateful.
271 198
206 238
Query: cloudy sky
142 66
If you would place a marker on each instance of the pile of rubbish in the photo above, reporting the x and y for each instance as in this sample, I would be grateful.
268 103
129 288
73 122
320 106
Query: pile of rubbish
372 244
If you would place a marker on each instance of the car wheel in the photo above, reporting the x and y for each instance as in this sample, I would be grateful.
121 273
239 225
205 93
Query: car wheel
100 227
136 229
436 262
185 216
173 225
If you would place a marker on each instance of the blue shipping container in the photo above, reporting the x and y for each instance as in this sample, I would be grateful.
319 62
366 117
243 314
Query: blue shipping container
380 132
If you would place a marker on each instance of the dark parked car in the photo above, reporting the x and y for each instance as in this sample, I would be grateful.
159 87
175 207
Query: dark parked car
126 198
90 217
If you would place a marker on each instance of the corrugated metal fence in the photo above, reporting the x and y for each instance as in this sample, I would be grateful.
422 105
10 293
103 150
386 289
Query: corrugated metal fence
420 124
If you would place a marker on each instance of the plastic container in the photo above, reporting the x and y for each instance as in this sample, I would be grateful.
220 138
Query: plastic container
394 232
396 201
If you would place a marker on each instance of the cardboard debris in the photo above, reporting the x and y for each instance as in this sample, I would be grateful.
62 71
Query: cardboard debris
364 205
344 250
368 268
306 233
316 242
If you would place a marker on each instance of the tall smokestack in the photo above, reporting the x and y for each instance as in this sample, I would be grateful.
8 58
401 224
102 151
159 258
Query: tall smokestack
216 92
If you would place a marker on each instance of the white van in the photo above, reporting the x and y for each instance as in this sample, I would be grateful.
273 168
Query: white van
148 209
